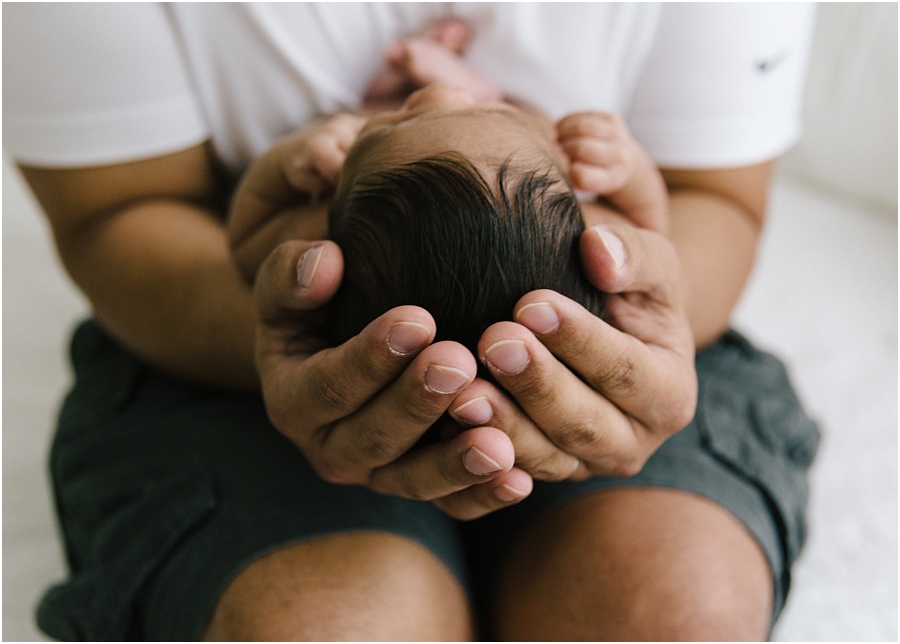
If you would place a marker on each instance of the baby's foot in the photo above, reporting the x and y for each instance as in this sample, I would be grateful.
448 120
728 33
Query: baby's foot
453 34
450 33
424 62
433 56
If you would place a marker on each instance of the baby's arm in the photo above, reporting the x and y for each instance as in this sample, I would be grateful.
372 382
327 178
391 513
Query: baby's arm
605 160
298 168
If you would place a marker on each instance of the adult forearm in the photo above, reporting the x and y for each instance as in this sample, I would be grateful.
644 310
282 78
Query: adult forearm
160 278
716 242
716 219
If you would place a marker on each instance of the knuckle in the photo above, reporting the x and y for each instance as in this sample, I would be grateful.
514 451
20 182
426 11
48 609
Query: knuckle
570 147
283 256
330 393
546 469
570 342
422 410
331 472
678 414
533 392
283 421
574 436
406 486
621 375
375 444
458 509
627 467
687 412
598 124
578 148
595 151
589 120
369 361
672 411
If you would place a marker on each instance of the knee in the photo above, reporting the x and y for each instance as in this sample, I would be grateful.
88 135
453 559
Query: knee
650 612
361 586
636 566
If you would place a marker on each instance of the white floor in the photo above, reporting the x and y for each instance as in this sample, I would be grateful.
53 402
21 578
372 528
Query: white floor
824 297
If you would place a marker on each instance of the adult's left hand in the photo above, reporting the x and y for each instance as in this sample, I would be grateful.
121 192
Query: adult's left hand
593 396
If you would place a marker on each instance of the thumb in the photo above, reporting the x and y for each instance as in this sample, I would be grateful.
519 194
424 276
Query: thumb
297 276
603 257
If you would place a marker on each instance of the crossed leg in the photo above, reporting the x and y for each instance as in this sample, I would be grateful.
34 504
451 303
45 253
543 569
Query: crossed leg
636 564
362 586
628 564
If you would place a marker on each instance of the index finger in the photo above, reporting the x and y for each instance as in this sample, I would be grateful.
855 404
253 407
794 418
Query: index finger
297 278
333 383
654 383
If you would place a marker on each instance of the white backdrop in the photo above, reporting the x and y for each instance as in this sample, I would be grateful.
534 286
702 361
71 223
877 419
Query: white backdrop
824 297
850 119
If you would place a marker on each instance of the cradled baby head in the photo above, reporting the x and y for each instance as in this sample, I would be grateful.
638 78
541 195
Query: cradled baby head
434 233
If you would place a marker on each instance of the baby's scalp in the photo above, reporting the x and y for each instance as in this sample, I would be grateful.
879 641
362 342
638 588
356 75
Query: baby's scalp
438 234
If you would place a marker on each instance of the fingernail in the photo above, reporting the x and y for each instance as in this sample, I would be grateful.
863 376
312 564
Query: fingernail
306 268
406 337
508 494
540 317
475 412
479 463
575 465
613 245
508 356
444 380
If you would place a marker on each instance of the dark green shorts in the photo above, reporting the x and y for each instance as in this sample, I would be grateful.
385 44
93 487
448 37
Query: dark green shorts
166 490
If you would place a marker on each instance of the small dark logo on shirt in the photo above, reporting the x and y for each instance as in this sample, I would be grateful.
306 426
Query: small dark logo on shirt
766 65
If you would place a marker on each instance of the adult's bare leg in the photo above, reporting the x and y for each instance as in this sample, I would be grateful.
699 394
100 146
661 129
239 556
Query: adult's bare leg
361 586
636 564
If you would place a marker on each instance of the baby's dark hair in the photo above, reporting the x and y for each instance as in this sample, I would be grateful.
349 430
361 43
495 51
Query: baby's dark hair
434 234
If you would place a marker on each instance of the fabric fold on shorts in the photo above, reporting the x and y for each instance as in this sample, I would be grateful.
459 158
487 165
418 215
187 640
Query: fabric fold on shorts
166 491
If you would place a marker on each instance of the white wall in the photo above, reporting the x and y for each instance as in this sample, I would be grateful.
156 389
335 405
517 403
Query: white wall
849 145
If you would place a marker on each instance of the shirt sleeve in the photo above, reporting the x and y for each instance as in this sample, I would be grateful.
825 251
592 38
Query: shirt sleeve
723 84
94 83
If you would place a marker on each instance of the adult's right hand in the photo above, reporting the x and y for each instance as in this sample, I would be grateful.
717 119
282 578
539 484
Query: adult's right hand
593 397
356 411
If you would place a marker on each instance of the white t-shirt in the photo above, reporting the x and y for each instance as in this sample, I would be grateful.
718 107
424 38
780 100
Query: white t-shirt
700 85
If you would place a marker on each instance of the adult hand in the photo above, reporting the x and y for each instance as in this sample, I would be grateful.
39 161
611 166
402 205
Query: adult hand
357 410
595 396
